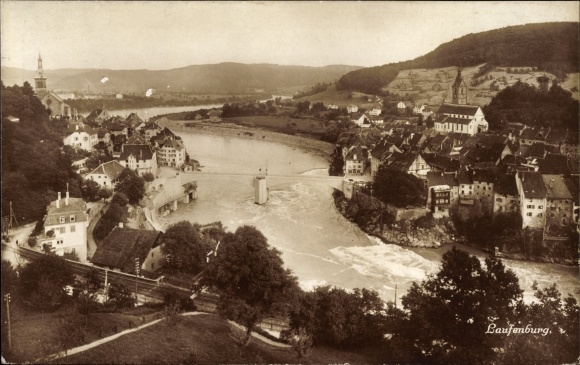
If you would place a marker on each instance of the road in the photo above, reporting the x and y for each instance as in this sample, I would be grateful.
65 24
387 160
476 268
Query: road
94 218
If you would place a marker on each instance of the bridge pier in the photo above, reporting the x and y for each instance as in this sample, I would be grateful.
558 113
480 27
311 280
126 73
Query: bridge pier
261 190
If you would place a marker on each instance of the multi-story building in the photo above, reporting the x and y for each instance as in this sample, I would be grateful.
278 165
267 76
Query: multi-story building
506 199
138 157
355 161
532 193
65 227
560 204
171 153
81 136
106 174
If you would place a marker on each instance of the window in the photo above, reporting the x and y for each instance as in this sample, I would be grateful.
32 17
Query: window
62 230
540 214
61 219
540 207
72 217
530 206
73 228
152 254
529 214
499 200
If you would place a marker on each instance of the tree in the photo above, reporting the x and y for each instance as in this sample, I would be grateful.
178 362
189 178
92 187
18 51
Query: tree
398 188
104 193
148 177
87 290
250 278
132 185
120 199
185 247
43 281
556 324
120 295
447 315
110 219
90 189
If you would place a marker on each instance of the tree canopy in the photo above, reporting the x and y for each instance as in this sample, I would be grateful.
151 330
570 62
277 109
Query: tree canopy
398 188
185 247
132 185
250 278
43 281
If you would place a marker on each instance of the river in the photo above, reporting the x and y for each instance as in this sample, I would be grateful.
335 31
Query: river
146 113
317 243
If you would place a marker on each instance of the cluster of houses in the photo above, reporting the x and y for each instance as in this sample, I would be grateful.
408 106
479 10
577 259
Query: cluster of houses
529 171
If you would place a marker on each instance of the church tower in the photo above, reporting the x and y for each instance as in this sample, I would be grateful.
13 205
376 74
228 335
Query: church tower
40 79
459 90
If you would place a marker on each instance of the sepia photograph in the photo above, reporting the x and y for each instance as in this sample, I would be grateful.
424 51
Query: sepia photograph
280 182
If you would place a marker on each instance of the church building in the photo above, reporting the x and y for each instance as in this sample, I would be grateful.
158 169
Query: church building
458 116
49 99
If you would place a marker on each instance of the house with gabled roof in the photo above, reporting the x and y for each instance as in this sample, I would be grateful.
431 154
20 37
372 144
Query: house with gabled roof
138 157
411 163
98 116
532 193
171 152
80 136
554 164
65 227
380 153
150 130
123 247
559 201
355 161
106 175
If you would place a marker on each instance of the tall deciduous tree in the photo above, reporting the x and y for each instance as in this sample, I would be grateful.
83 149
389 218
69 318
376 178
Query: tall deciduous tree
185 247
250 278
132 185
448 314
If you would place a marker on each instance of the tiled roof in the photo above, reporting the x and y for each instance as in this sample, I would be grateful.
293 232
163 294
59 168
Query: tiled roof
505 184
403 161
435 178
482 176
133 120
73 127
76 208
120 248
453 120
112 169
172 143
556 187
554 164
140 151
446 108
355 151
441 162
533 185
573 188
464 177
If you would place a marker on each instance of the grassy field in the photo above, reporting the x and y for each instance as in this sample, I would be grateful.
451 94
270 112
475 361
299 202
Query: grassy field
202 339
340 98
281 123
35 334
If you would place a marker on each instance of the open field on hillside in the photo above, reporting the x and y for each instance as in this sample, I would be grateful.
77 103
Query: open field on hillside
202 339
36 334
431 86
340 98
281 123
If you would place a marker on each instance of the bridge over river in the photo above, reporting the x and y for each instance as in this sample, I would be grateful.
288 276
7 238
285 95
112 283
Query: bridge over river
166 193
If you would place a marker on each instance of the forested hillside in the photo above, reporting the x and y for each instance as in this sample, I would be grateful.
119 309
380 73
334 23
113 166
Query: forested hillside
552 47
33 167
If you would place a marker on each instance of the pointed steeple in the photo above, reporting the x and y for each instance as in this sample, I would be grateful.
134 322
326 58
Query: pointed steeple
459 90
40 79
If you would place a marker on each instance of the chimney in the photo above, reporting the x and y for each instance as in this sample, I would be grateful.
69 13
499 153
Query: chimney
120 224
58 200
551 183
77 127
66 200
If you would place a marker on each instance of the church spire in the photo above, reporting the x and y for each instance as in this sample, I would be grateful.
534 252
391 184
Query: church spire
40 79
459 90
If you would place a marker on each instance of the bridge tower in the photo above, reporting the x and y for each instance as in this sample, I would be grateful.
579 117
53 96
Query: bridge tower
261 189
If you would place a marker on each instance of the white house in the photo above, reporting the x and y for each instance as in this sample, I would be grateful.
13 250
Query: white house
532 193
106 174
81 136
138 157
375 111
65 227
171 153
352 108
362 121
355 161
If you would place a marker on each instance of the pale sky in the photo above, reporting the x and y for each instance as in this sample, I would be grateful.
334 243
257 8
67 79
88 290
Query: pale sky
165 35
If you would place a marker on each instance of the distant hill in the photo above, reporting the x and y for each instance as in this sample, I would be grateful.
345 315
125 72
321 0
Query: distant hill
216 78
551 47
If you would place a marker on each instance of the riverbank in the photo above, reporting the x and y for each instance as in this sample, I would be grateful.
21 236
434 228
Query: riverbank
234 130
